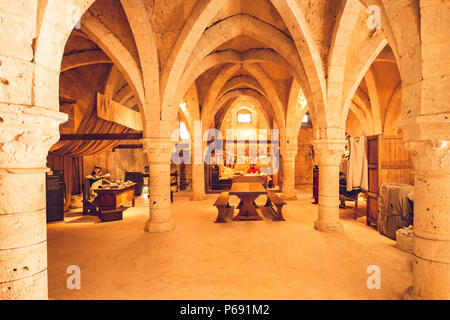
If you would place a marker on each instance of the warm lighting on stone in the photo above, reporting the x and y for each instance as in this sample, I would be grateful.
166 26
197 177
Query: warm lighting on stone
340 90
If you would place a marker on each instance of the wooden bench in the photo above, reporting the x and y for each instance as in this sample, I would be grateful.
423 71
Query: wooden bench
223 207
274 199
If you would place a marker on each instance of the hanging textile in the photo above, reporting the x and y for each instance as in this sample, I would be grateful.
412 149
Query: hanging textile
357 170
67 155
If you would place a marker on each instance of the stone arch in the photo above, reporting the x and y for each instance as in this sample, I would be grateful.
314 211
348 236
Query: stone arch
259 74
401 26
191 110
185 118
194 26
340 42
114 77
54 31
364 61
294 114
192 72
119 54
148 53
251 56
360 101
393 114
294 17
216 86
240 81
57 22
235 26
407 40
375 106
81 59
362 117
255 97
126 98
228 107
123 92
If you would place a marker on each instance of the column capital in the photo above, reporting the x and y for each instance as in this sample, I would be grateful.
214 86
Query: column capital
289 152
329 133
430 156
329 152
428 139
159 150
159 128
26 135
426 127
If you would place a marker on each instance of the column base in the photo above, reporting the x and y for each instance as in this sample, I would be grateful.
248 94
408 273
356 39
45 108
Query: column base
159 227
328 227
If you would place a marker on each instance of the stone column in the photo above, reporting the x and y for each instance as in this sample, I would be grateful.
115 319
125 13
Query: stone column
198 173
328 155
26 135
288 156
159 152
431 159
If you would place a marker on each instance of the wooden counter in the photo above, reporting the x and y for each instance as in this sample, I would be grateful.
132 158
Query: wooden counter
111 201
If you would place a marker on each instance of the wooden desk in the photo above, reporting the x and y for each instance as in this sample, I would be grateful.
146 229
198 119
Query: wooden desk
247 192
111 201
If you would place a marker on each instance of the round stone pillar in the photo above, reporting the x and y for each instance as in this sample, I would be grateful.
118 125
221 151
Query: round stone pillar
429 143
26 135
288 157
198 174
328 155
198 182
159 152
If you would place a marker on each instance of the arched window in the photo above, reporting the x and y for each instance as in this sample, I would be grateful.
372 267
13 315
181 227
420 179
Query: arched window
184 133
244 117
306 122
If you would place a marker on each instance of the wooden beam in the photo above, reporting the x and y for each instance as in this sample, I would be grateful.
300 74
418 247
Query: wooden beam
244 141
129 146
101 136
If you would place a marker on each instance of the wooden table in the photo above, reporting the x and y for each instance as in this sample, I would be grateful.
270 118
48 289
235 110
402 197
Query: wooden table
247 192
251 178
111 201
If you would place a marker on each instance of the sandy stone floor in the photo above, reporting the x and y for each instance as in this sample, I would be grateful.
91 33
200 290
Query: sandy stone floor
238 260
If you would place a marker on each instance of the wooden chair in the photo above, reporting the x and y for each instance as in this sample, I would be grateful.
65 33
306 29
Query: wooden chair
274 199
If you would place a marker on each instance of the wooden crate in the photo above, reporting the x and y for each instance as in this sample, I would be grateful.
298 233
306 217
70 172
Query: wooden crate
388 162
